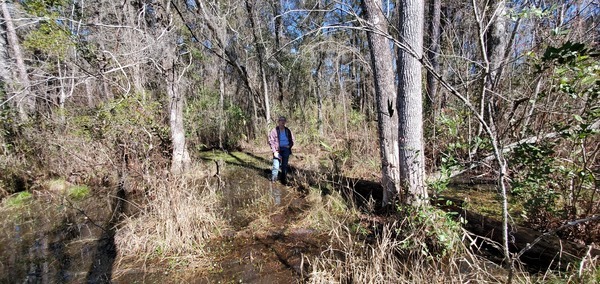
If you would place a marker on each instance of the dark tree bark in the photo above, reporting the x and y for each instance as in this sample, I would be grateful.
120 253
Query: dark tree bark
278 34
260 50
435 7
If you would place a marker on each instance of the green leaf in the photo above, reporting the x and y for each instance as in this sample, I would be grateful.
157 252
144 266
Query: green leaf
326 146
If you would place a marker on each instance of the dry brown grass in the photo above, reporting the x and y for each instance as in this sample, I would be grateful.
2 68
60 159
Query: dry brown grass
352 259
393 256
180 217
327 212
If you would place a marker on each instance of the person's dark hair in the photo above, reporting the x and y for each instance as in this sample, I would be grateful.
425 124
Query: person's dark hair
282 118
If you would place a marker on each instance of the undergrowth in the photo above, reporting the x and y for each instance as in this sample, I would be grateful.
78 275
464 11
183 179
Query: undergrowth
178 219
423 245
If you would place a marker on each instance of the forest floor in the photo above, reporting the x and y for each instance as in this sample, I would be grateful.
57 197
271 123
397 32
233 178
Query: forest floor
271 234
272 231
266 241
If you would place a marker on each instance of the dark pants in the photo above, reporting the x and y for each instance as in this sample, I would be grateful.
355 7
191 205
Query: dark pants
281 163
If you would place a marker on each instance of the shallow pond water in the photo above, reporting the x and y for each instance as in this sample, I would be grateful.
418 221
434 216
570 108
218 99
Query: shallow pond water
52 239
263 245
58 241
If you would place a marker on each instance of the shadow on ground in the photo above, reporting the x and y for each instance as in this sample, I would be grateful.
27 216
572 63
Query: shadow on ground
359 191
550 251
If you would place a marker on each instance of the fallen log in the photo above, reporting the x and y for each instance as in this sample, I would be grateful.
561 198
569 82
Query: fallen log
459 170
539 251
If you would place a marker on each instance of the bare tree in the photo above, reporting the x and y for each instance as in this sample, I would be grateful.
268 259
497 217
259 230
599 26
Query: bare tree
493 39
278 22
5 75
493 42
174 69
218 20
385 92
261 53
410 102
181 159
24 101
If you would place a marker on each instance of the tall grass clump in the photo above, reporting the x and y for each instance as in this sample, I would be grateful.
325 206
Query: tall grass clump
423 246
328 212
178 219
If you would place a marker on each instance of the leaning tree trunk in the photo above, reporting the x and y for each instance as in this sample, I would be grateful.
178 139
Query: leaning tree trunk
538 250
493 49
381 62
410 102
5 75
25 103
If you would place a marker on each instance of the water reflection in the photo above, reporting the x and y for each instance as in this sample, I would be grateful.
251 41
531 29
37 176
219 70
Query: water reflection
276 194
48 242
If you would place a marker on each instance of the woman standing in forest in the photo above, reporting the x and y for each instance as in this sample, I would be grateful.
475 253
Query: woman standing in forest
281 141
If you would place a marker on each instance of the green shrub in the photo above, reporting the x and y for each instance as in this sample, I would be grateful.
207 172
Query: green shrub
430 232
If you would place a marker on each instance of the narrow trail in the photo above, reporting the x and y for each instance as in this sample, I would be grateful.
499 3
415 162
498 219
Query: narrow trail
265 243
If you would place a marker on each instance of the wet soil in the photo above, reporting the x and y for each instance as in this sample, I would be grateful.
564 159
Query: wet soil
263 244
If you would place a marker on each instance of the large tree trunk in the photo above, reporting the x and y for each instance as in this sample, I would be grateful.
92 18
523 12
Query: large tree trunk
385 91
180 161
410 102
493 41
496 41
25 102
181 158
